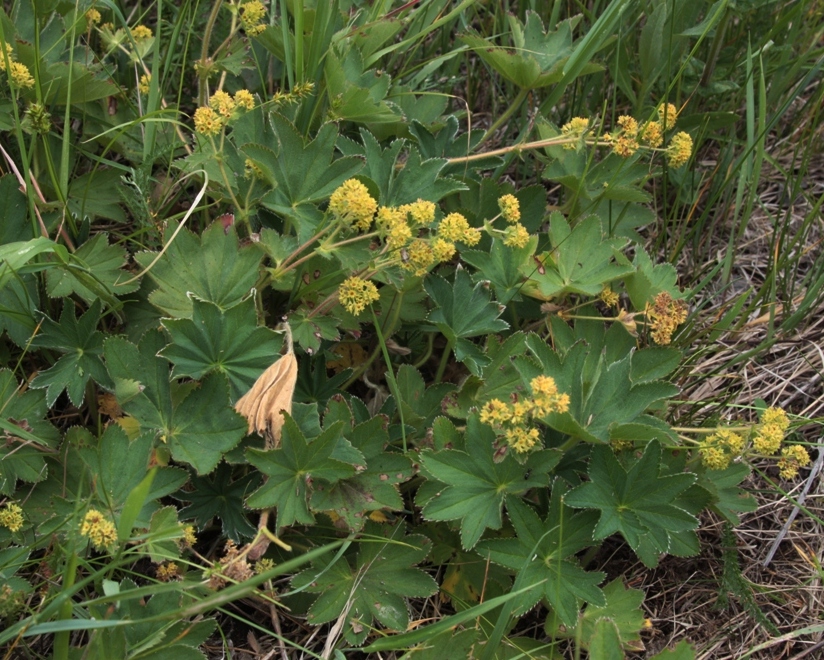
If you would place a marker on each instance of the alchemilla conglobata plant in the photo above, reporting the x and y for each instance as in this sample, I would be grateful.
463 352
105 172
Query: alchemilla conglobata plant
377 366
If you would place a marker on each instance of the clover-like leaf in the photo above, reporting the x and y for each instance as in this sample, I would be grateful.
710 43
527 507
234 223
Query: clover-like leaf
82 346
229 342
372 584
475 486
291 469
543 556
638 503
581 261
211 267
197 421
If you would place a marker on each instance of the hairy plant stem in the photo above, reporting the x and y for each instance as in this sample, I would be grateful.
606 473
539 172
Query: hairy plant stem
447 351
516 103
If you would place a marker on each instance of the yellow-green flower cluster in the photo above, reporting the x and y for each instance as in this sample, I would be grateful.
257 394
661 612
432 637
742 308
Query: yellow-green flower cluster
189 536
770 433
98 529
625 142
207 121
609 297
510 208
298 92
665 316
11 516
11 602
720 448
352 203
93 16
792 459
513 420
575 128
244 99
168 571
141 33
454 227
418 257
394 226
355 294
251 15
667 114
679 149
18 73
652 134
145 81
516 235
37 119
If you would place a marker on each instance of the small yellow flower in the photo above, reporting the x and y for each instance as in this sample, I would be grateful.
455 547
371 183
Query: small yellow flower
141 33
38 118
189 536
609 297
353 203
20 76
443 250
667 113
522 439
355 294
768 439
9 53
777 416
453 227
244 99
679 149
207 121
575 128
421 212
222 103
731 441
495 413
392 222
145 80
419 257
251 14
100 531
263 565
666 315
11 516
516 236
714 458
792 458
168 571
93 16
510 208
546 397
652 134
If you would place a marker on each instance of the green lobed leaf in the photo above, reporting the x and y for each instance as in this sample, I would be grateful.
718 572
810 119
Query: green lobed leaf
581 261
292 467
211 267
475 486
82 346
223 341
542 554
94 264
373 583
219 496
196 422
637 502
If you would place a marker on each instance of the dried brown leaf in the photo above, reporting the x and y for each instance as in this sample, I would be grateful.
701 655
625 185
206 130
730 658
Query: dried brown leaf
270 396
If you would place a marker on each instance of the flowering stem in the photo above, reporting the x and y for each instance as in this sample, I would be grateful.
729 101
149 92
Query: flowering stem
203 74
